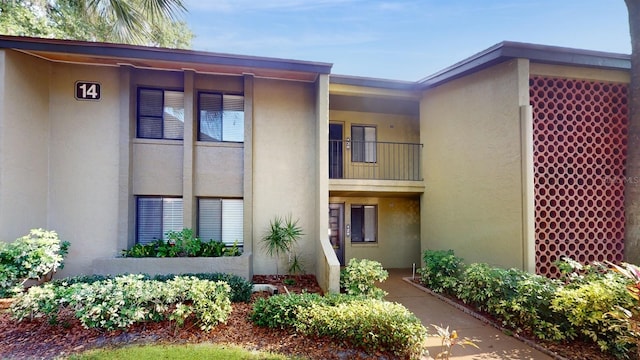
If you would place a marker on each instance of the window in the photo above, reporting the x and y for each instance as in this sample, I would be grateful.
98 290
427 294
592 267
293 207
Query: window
364 144
221 219
364 223
221 117
160 114
156 216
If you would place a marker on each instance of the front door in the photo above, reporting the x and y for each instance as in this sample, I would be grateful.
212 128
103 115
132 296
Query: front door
335 151
336 225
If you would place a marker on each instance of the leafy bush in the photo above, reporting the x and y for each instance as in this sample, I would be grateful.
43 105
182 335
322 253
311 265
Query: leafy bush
441 271
32 256
182 244
529 309
125 300
240 288
586 305
359 278
281 311
372 324
484 286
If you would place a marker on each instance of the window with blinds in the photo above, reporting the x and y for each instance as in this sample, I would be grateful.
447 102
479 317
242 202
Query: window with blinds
160 114
221 117
364 223
221 219
155 216
363 140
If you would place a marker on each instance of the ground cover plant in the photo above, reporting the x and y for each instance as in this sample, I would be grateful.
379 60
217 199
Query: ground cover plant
579 306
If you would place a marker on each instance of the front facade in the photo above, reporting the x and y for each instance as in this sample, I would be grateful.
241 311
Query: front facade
113 145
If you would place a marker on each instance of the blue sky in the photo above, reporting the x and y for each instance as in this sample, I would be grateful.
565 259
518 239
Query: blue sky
403 39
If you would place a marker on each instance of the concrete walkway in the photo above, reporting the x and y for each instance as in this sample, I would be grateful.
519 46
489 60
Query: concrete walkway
492 343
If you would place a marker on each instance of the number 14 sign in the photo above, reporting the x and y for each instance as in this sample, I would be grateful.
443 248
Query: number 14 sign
87 90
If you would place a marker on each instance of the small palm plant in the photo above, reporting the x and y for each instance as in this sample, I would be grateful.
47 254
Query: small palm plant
449 340
281 237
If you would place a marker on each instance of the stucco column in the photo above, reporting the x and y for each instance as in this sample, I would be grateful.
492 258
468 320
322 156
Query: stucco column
247 191
528 190
126 202
189 218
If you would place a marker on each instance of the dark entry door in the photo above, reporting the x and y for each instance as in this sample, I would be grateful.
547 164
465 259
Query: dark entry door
336 225
335 151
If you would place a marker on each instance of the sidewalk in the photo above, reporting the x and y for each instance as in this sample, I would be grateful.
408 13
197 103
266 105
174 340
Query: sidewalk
492 343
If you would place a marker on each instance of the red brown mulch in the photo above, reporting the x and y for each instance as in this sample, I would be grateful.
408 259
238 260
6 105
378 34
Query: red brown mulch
39 340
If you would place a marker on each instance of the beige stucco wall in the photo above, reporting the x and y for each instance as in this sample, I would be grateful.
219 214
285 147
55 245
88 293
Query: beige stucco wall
398 244
84 165
473 168
284 164
24 141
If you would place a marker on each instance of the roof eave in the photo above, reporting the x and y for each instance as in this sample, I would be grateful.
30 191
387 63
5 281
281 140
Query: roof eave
163 54
536 53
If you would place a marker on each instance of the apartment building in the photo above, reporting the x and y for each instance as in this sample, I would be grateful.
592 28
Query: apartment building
514 156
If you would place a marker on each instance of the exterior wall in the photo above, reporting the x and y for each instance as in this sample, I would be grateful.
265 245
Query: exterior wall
389 127
473 168
398 244
284 165
84 165
24 143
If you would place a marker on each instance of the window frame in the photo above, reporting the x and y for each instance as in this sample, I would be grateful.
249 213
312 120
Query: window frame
364 151
222 133
363 227
137 215
199 220
162 117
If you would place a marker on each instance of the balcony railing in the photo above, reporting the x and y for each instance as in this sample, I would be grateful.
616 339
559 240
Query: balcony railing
374 160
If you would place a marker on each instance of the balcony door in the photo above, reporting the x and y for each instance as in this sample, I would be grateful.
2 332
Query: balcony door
335 150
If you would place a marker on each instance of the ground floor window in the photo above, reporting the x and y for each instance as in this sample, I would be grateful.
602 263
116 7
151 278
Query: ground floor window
221 219
157 215
364 223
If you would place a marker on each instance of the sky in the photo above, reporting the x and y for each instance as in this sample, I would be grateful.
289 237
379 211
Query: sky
402 39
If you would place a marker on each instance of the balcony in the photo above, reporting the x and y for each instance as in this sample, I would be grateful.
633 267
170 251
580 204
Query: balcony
375 160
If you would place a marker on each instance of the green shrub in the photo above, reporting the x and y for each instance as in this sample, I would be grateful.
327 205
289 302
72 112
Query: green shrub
529 309
359 278
124 300
484 286
32 256
182 244
281 311
372 324
586 306
240 288
441 271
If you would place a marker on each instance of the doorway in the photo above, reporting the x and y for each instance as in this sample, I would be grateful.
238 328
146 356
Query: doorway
335 150
336 226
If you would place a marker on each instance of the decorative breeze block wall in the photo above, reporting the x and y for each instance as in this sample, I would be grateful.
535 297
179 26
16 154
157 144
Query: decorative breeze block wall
579 137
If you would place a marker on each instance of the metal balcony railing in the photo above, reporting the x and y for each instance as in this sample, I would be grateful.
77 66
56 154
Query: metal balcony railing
374 160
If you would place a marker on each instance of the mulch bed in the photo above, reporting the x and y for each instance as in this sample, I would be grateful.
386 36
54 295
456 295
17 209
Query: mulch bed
37 339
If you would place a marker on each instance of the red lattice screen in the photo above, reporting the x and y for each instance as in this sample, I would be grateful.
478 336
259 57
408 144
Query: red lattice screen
579 130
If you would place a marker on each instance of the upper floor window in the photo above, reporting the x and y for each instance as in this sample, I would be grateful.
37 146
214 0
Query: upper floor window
221 219
160 114
155 216
221 117
363 140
